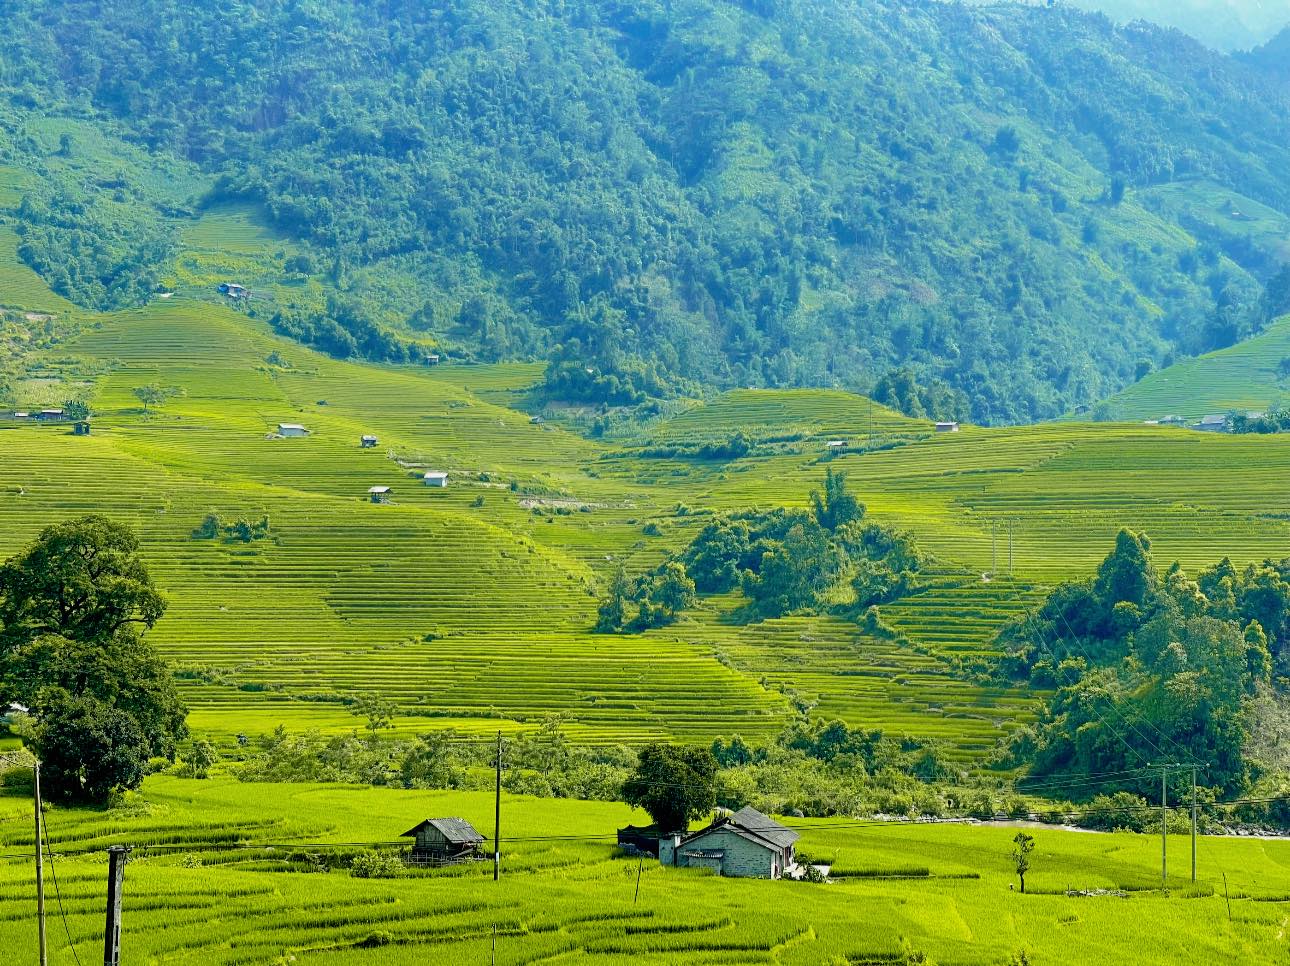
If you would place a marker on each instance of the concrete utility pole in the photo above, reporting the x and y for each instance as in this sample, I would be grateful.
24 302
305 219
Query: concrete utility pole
497 815
116 879
1193 823
40 869
1164 828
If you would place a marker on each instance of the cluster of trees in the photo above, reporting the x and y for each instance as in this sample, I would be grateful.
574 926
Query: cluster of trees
91 248
1277 421
345 329
783 560
554 178
1149 665
73 609
242 529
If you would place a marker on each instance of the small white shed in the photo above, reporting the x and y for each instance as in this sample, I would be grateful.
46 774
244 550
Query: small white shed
379 494
947 427
435 478
292 429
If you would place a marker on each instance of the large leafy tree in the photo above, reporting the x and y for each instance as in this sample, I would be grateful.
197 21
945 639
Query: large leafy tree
675 785
73 608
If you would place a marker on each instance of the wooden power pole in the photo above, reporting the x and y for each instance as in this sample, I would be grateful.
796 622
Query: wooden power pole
40 869
116 879
497 815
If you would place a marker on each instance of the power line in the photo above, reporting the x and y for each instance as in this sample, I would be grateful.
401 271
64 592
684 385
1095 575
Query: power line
58 895
1186 752
804 827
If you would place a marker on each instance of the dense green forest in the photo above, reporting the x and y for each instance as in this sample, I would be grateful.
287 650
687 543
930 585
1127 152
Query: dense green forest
772 192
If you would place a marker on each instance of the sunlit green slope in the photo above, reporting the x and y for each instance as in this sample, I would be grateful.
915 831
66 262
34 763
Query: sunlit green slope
1253 375
472 606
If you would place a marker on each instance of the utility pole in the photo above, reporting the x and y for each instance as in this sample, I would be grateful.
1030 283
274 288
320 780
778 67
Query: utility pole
1164 828
117 855
40 869
1193 824
497 815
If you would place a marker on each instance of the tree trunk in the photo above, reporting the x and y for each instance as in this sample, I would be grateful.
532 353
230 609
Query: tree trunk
1022 877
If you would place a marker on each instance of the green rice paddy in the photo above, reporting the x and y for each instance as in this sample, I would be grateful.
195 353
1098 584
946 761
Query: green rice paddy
220 874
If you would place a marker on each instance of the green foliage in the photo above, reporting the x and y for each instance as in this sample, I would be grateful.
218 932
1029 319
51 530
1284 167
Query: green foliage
615 198
1186 659
675 785
836 507
87 748
71 608
1022 845
377 713
241 530
76 408
155 395
370 864
201 757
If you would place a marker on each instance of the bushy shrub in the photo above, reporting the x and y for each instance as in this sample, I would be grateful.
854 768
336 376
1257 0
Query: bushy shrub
370 864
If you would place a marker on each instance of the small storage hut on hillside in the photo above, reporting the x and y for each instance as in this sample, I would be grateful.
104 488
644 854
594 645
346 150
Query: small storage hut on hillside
292 429
436 478
379 494
443 840
367 442
947 427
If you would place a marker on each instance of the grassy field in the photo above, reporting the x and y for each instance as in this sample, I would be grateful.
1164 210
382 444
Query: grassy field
227 881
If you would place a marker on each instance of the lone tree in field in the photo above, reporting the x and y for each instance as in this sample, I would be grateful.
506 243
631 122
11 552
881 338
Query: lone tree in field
73 608
155 395
674 785
1022 846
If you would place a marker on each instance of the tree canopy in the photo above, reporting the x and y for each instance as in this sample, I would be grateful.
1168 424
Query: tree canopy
675 785
73 608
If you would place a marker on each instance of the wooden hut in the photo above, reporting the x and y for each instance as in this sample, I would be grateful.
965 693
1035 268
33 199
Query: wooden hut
441 840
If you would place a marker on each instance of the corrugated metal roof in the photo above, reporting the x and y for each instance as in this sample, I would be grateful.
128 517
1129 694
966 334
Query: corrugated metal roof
455 830
763 826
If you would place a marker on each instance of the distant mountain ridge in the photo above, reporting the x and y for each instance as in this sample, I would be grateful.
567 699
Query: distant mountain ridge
1014 208
1224 24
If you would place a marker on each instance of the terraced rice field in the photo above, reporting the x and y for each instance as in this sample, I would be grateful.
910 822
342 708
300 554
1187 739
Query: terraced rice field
936 893
1249 376
471 606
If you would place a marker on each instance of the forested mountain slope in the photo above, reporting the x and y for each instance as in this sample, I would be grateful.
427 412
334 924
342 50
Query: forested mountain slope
773 192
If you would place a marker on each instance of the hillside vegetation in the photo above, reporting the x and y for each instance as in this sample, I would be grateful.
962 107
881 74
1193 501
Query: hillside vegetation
474 606
1025 205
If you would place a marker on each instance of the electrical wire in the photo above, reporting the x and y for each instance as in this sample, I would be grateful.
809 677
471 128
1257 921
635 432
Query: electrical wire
799 826
58 892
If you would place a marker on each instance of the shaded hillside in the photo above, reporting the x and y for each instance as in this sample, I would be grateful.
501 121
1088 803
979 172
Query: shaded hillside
780 192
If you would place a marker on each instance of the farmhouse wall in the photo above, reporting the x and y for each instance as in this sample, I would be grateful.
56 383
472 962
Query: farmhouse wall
742 857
